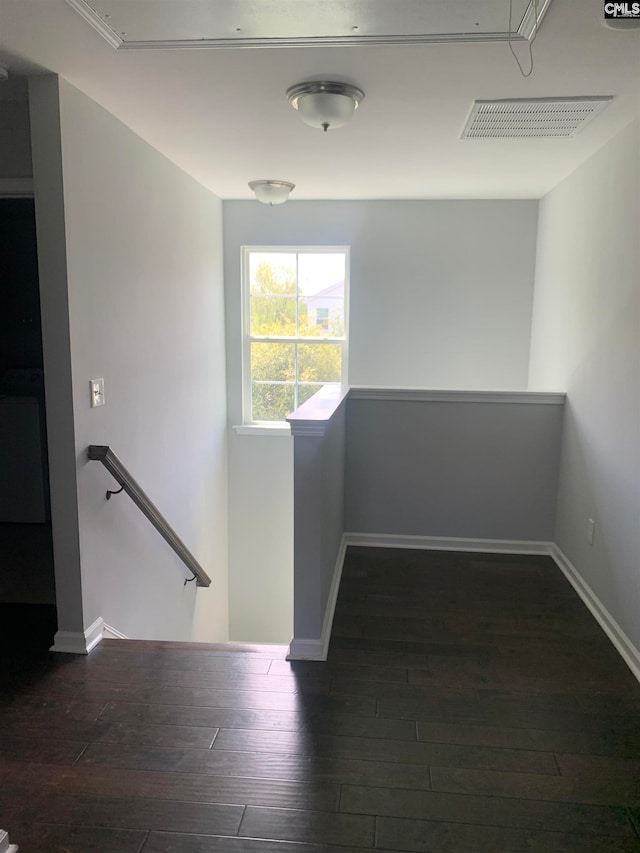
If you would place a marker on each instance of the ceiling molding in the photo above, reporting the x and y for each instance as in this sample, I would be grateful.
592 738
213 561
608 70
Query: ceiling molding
317 41
524 33
527 26
92 17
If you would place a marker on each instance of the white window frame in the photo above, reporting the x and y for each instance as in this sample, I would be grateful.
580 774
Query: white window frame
247 338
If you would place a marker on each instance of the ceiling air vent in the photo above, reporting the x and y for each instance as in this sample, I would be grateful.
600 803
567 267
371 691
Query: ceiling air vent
533 118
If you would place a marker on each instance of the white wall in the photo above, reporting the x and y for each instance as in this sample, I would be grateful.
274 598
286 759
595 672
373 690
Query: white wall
441 295
441 291
586 338
260 538
146 312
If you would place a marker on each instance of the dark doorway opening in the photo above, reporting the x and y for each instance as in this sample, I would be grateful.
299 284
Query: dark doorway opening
27 588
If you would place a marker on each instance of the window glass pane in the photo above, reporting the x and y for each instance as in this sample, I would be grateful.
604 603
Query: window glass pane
293 295
273 316
321 316
306 391
318 271
273 362
319 362
272 272
271 402
321 282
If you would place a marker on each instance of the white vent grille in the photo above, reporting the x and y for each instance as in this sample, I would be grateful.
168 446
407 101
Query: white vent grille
535 118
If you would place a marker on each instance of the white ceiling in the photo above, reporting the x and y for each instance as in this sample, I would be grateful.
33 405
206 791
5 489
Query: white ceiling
222 114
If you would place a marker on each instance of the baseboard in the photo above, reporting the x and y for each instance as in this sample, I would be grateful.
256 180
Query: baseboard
78 642
448 543
614 632
306 648
5 845
316 649
310 648
111 633
330 609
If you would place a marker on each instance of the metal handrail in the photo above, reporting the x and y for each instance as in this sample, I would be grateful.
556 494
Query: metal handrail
103 453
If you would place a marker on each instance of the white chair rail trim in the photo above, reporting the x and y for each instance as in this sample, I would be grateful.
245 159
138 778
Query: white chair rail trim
422 395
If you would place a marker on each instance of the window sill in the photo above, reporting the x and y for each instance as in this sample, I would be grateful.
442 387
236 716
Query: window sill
277 429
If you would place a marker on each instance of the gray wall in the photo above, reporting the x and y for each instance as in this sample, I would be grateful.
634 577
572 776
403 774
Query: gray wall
15 136
331 474
319 518
586 334
143 289
44 106
452 469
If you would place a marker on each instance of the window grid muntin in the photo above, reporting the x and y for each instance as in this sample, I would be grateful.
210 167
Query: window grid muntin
342 341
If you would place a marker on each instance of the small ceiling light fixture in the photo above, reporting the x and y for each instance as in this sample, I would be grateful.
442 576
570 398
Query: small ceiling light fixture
325 104
271 192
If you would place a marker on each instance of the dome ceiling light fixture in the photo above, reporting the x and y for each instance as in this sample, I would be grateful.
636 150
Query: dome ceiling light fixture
271 192
325 104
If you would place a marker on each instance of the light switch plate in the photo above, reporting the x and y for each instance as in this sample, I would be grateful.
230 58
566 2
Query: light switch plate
97 392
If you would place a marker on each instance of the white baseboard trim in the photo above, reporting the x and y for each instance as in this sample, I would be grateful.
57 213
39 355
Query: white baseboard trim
111 633
305 648
330 609
629 653
316 649
5 845
78 642
446 543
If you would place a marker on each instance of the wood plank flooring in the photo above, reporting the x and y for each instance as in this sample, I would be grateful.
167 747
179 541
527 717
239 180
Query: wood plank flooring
470 703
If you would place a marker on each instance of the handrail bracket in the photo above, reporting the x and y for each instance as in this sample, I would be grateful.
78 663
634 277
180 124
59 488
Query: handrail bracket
103 453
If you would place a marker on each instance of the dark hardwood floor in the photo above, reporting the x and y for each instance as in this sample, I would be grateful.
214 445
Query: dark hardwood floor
470 703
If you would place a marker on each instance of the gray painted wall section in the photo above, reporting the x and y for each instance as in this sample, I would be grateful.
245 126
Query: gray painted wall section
319 470
459 469
15 138
54 301
586 337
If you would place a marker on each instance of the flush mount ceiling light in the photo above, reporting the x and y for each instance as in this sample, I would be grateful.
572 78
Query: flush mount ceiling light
271 192
325 104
